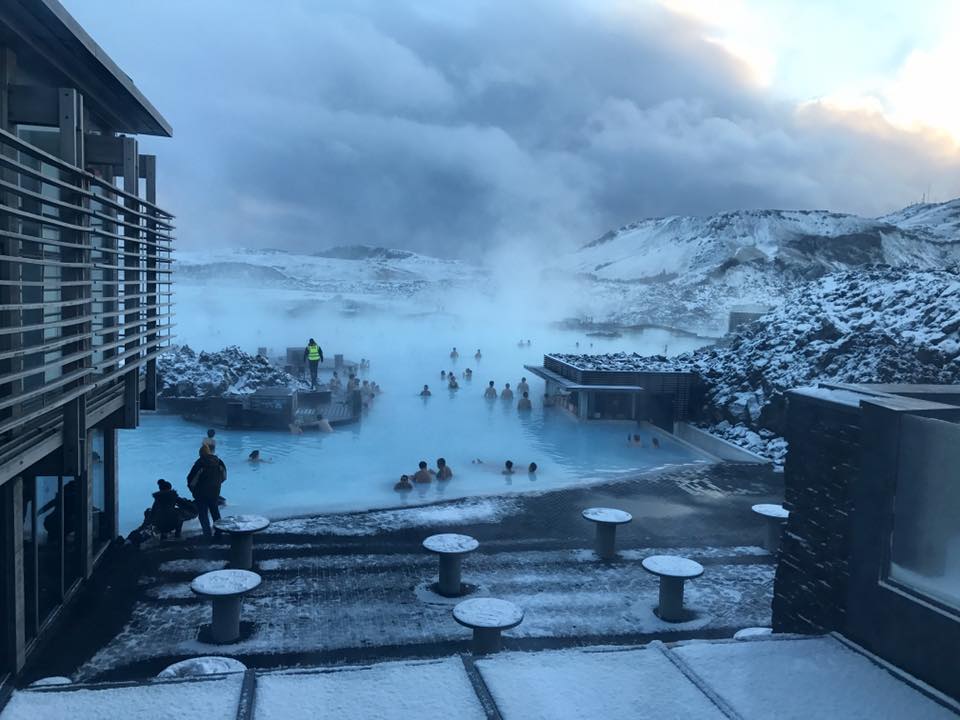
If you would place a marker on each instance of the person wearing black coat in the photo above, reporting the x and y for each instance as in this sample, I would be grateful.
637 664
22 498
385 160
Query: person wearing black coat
166 514
204 480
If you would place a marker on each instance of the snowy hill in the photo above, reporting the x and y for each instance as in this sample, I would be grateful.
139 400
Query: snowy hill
355 276
688 271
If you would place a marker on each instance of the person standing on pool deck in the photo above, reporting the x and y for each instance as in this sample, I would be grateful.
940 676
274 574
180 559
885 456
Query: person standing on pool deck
204 480
491 392
313 355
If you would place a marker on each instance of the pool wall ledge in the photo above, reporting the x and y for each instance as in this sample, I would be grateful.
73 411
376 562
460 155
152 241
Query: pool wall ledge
715 446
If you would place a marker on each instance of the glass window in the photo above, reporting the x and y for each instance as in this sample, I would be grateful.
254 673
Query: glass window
74 517
48 531
101 530
29 559
925 548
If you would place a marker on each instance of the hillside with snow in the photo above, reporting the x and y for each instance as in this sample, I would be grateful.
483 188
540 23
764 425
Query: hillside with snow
352 278
689 271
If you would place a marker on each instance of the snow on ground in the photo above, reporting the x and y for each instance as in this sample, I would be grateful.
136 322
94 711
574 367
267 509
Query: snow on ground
401 690
186 700
641 684
805 678
465 512
776 676
320 603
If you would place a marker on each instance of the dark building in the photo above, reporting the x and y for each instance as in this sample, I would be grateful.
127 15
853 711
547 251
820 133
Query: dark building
743 314
594 387
872 543
84 306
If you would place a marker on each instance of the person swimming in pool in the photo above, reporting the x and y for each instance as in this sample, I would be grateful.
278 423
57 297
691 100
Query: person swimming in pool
655 441
477 355
507 393
254 457
323 425
524 402
452 382
634 440
426 391
507 468
404 484
491 392
532 468
423 475
443 470
523 387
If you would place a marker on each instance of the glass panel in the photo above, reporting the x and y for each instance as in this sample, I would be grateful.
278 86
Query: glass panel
29 559
74 517
48 545
100 534
925 549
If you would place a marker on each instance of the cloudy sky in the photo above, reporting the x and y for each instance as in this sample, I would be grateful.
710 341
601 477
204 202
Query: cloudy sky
458 126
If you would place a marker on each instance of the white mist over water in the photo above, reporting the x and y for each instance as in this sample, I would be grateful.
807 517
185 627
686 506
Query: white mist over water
355 467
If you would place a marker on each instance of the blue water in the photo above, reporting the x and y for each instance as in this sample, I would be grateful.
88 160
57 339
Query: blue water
356 467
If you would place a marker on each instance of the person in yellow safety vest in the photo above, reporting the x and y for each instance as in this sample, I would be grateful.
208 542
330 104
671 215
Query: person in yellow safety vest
314 355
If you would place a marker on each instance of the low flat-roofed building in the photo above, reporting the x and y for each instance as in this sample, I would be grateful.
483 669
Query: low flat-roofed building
85 262
598 387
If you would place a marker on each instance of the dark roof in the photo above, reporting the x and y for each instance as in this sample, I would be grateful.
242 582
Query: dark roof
45 28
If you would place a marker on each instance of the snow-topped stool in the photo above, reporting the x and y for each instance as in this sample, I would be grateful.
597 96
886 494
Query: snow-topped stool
775 517
226 589
51 681
241 528
487 617
606 520
752 632
673 572
199 666
451 548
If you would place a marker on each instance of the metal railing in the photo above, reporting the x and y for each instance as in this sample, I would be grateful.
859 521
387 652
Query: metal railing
85 286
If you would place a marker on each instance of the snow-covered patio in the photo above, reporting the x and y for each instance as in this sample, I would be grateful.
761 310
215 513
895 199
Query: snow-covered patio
787 677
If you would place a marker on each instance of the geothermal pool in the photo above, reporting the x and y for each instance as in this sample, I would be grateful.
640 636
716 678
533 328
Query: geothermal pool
356 467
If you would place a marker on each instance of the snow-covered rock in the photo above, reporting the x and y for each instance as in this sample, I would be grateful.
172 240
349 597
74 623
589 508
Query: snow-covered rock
874 325
181 372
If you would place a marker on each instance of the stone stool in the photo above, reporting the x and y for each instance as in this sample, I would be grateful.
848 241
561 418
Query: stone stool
752 632
241 528
606 520
51 681
451 548
487 617
198 666
673 571
775 517
226 589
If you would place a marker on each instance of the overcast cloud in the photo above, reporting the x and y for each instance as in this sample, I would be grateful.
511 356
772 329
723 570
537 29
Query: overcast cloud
456 127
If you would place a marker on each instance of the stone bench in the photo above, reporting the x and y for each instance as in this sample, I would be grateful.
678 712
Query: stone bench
450 548
487 617
200 666
775 517
673 571
226 589
606 520
241 528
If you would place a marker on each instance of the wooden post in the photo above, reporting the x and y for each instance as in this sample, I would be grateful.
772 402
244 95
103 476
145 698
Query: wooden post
148 164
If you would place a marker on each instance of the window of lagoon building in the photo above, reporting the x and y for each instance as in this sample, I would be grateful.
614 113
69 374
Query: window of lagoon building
925 543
